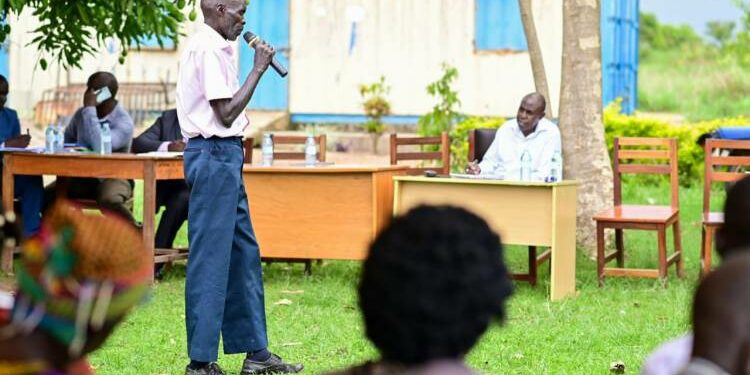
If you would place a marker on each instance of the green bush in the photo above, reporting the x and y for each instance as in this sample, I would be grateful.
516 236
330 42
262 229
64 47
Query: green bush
690 154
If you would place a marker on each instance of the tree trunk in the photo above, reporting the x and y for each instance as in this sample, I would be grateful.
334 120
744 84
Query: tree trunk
535 53
584 149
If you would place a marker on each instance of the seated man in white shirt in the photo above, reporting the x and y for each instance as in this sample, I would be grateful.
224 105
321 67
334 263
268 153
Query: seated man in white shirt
530 132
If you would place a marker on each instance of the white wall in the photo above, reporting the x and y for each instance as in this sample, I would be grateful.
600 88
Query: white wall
406 41
28 81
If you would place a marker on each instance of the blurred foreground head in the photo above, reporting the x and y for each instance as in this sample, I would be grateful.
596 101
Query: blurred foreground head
79 277
721 322
432 283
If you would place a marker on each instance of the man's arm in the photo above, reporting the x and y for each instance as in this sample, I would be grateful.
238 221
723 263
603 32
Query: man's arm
228 109
491 158
89 128
15 139
151 139
69 135
121 127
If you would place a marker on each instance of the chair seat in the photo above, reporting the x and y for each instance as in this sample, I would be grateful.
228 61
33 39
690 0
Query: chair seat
713 218
638 213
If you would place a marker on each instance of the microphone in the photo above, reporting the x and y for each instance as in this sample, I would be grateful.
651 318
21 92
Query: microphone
251 39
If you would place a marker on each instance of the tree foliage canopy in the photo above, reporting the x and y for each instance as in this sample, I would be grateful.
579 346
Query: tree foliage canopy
70 29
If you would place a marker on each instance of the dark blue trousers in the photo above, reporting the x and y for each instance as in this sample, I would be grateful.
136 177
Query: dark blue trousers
29 190
224 282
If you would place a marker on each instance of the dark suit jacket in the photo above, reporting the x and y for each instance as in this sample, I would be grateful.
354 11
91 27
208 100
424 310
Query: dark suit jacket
165 129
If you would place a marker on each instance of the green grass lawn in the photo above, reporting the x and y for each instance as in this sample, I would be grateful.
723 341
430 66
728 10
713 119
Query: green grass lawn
699 85
322 327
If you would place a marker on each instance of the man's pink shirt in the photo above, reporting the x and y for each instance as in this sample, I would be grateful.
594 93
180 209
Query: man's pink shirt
207 71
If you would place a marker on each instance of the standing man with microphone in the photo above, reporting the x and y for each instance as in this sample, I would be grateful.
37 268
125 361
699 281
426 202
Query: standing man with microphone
224 283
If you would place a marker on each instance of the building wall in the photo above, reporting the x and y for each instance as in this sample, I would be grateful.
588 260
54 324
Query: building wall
28 81
406 41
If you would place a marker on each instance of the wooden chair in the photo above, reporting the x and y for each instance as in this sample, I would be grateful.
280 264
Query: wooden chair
247 144
713 160
643 217
443 154
297 140
480 140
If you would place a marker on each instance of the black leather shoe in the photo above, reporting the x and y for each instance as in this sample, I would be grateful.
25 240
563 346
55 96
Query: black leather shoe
273 365
210 369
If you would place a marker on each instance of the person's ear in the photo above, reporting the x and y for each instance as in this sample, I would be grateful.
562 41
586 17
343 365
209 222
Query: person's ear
221 8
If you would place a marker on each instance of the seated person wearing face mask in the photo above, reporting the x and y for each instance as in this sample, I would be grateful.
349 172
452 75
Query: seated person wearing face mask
529 132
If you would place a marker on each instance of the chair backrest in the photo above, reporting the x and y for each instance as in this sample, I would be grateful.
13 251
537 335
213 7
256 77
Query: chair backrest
647 152
715 159
247 144
480 140
297 140
443 154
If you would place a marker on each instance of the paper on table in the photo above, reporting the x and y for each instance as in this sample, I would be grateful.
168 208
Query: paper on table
23 149
165 154
477 176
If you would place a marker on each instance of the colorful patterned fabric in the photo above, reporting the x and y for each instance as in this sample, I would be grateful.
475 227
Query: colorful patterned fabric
79 272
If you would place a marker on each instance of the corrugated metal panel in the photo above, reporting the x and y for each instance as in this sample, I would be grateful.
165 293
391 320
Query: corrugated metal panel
498 26
269 19
620 30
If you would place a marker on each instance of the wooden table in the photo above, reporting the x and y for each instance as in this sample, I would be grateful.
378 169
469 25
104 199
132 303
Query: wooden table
524 213
124 166
325 212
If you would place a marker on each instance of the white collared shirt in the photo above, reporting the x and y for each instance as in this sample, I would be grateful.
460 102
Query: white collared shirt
207 72
503 158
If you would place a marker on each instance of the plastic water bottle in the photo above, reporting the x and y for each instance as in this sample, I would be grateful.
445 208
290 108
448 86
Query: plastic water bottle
50 139
106 139
311 151
525 166
59 138
555 167
267 149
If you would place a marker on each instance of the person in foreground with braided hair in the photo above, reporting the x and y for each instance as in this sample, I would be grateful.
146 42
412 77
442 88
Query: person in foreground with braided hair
433 282
79 276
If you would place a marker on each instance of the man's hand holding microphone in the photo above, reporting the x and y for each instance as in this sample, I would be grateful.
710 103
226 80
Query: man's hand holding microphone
255 42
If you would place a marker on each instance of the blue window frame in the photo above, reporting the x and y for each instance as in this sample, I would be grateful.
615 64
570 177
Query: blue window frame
151 43
498 26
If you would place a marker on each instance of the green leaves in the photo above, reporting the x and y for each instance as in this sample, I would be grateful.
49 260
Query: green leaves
70 29
375 104
445 113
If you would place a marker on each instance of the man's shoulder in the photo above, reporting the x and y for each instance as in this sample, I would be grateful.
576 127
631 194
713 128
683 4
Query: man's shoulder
123 115
10 112
507 126
548 126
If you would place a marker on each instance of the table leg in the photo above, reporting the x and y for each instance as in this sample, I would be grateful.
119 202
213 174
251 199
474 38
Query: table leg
6 258
563 267
149 208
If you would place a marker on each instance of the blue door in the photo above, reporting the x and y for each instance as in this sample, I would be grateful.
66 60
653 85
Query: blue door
619 24
269 19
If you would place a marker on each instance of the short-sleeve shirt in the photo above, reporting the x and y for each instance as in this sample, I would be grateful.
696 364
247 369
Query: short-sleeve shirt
208 71
9 125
